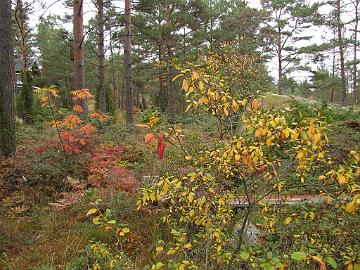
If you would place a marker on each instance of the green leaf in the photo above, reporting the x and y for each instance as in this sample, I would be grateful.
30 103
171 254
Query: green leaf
267 266
112 222
91 211
298 256
331 262
159 265
244 255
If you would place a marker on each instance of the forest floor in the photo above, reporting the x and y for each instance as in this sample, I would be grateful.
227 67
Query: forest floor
44 200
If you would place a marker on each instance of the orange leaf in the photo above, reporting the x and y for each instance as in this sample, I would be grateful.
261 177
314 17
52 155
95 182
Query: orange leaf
150 138
82 142
78 109
255 105
87 129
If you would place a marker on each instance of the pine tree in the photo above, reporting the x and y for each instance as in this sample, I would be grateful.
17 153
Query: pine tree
101 55
78 48
7 114
128 67
21 14
289 20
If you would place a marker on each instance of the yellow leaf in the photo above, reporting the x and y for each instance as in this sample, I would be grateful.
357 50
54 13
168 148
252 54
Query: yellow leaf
286 132
192 212
288 220
203 100
195 75
255 105
185 85
201 86
294 136
154 121
159 248
166 186
353 206
317 139
269 141
235 106
320 261
300 154
342 179
243 102
259 133
188 246
188 157
91 211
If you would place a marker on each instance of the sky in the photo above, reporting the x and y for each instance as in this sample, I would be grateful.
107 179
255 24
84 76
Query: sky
55 7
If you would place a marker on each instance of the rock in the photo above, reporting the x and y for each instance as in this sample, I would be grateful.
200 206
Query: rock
251 233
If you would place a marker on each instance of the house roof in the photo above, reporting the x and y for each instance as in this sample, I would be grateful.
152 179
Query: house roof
31 61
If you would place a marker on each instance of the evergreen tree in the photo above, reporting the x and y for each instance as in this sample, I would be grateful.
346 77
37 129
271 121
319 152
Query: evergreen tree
24 45
7 114
290 18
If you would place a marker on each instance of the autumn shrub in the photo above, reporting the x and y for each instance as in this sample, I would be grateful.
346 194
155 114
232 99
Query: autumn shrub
273 153
248 167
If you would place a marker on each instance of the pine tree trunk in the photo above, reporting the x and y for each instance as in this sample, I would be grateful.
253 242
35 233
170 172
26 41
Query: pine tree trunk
280 68
78 47
280 75
27 91
101 25
162 91
127 68
341 51
356 93
170 84
114 79
7 113
332 93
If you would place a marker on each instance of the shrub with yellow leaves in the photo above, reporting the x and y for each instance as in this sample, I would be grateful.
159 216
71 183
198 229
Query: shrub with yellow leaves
248 167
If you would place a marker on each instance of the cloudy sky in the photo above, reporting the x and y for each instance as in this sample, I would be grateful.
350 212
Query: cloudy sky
55 7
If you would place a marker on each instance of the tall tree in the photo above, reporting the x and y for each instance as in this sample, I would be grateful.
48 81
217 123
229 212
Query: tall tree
54 45
101 55
22 10
78 48
289 20
341 51
7 114
355 63
128 67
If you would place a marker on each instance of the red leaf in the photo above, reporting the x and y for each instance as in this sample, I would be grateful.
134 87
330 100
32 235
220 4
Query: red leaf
161 147
281 139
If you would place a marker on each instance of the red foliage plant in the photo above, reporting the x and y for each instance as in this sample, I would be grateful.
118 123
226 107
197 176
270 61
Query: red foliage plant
150 139
161 147
104 169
